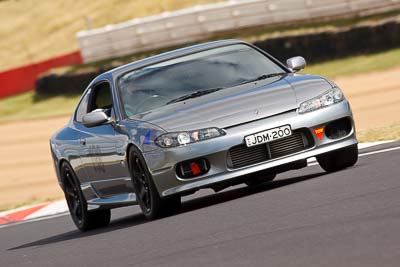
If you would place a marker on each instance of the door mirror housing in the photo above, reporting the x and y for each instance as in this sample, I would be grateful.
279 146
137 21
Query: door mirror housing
95 118
296 63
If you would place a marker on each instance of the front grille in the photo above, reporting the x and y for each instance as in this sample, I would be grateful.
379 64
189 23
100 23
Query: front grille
286 146
244 156
241 155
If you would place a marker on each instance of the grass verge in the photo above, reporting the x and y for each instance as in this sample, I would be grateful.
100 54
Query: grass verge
29 106
391 132
356 65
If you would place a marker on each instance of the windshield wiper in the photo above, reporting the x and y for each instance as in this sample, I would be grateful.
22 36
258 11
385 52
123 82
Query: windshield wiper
194 94
263 77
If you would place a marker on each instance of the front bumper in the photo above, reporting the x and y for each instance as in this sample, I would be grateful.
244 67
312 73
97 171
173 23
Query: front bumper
162 162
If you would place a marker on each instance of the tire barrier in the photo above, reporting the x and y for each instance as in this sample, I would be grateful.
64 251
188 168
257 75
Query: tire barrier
22 79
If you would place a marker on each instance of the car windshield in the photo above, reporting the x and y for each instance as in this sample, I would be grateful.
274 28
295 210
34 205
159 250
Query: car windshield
191 76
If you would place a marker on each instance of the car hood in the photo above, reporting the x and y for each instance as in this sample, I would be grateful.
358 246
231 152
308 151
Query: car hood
237 105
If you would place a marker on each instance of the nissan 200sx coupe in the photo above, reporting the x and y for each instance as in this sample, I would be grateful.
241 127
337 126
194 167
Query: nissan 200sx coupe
207 116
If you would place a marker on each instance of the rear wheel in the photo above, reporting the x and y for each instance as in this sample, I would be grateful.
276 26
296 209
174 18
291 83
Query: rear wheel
150 202
83 219
339 159
260 177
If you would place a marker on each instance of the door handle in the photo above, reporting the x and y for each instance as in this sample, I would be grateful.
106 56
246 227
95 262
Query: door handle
82 141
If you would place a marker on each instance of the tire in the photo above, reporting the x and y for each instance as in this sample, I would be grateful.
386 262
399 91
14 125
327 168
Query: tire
150 202
258 178
84 220
339 159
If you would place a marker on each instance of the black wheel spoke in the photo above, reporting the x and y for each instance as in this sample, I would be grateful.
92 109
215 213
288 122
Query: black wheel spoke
143 181
68 178
140 167
142 192
75 207
70 193
146 199
140 181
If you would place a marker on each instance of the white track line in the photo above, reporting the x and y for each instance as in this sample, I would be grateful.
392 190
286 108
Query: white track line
367 145
379 151
361 146
367 153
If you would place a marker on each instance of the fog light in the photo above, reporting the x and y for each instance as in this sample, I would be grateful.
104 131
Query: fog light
195 168
192 168
338 128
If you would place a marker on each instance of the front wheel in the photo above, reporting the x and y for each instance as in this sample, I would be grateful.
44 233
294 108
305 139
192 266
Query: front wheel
339 159
150 202
83 219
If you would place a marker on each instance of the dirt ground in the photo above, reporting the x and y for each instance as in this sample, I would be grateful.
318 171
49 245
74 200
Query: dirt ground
374 97
26 170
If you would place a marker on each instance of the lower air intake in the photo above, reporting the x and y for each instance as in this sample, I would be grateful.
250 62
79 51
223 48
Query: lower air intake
242 156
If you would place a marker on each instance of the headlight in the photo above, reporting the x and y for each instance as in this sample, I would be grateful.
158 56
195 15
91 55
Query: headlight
330 97
187 137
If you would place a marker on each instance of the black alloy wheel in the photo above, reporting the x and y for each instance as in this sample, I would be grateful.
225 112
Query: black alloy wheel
339 159
141 183
83 219
150 202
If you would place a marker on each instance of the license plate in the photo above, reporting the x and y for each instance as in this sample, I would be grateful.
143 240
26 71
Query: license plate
268 135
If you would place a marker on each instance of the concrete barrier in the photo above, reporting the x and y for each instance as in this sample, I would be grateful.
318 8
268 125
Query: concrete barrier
200 22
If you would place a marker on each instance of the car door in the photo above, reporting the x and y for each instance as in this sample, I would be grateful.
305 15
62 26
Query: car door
101 146
81 166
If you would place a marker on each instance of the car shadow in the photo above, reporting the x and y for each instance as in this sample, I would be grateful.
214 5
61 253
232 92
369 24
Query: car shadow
228 195
187 206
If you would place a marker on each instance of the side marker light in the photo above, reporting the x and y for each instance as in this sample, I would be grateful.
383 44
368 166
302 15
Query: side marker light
319 132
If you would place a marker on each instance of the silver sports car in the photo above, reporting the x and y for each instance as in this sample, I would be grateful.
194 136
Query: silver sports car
206 116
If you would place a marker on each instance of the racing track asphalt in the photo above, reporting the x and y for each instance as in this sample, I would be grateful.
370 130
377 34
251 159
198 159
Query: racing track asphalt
304 218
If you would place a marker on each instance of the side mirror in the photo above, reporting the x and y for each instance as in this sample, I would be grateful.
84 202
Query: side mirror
296 63
95 118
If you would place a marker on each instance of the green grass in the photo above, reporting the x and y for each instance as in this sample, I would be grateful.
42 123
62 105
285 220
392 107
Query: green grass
30 106
357 64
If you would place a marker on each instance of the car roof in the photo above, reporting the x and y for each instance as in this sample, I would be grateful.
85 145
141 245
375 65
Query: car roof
169 55
116 72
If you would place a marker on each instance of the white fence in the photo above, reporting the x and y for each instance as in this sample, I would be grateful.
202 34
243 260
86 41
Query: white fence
199 22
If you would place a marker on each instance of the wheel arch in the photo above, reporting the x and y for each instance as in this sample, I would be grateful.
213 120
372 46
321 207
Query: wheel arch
128 148
60 176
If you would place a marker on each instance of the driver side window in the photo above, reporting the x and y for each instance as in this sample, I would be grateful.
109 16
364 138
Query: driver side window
101 98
